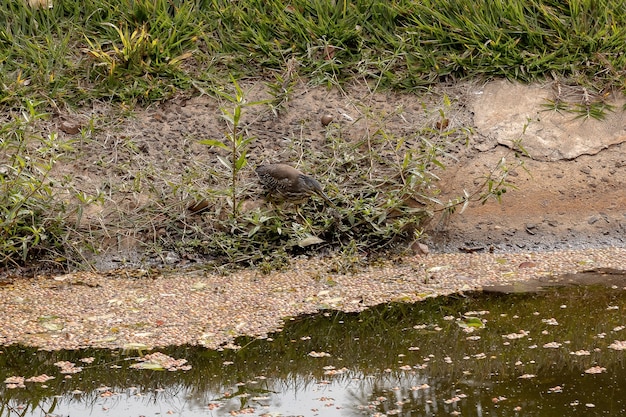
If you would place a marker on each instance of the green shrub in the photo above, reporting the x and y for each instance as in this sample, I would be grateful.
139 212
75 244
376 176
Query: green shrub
31 218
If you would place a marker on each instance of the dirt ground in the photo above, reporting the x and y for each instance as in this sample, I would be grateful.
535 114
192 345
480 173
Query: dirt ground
569 192
579 203
566 214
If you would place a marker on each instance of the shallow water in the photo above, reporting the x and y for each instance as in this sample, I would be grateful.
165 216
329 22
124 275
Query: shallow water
548 354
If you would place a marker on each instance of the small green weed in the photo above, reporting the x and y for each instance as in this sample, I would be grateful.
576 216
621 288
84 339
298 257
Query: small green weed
582 102
236 142
32 215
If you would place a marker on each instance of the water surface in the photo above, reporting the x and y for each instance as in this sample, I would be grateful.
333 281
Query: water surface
552 353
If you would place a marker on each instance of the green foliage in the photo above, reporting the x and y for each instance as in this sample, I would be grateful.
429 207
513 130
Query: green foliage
27 220
147 50
38 212
383 186
236 143
144 51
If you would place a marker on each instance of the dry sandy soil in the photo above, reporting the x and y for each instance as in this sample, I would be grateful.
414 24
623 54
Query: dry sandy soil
569 193
572 192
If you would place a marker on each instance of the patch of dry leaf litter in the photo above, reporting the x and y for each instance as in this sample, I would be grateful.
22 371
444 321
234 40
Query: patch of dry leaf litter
85 309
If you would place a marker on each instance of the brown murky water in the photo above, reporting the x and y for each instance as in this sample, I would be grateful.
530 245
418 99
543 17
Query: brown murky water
552 352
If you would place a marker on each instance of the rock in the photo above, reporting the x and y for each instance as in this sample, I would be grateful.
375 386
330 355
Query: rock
506 111
419 248
71 128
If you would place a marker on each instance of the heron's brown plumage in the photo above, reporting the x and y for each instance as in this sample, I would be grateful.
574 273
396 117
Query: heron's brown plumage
289 183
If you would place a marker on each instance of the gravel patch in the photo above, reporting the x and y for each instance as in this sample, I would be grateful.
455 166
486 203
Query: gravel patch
114 310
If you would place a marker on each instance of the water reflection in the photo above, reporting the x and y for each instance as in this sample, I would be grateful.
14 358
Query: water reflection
549 354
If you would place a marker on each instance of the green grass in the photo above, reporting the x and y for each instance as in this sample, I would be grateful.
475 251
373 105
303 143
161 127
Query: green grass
148 50
133 53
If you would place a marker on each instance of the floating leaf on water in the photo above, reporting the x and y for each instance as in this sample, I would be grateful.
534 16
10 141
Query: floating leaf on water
315 354
148 365
476 313
332 372
618 345
519 335
452 400
158 361
595 370
474 322
40 378
14 380
67 367
260 398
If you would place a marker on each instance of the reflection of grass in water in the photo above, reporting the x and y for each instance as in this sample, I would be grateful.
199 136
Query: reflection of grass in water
402 345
